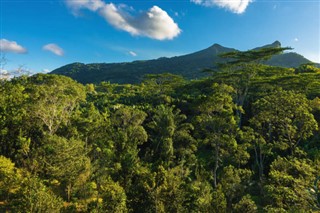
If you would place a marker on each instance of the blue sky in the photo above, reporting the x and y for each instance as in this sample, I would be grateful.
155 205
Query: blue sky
41 35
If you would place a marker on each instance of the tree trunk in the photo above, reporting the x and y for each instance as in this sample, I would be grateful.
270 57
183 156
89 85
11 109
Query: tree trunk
69 192
216 166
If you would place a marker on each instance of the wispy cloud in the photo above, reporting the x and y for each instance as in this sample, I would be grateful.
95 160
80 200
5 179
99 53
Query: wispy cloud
55 49
134 54
154 23
235 6
76 6
296 39
11 46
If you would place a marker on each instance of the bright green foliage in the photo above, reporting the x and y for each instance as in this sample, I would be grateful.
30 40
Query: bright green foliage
128 134
112 198
59 152
305 68
216 125
200 196
246 204
284 118
219 203
21 192
243 140
234 183
162 83
54 99
9 179
34 196
171 137
289 184
13 117
169 194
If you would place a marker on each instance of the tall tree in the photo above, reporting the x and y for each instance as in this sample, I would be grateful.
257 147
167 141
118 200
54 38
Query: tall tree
53 99
64 161
284 118
217 125
170 136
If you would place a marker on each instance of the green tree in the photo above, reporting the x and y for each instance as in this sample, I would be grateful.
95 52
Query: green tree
64 161
170 136
112 198
284 118
53 99
13 119
169 194
10 179
234 183
246 204
34 197
289 182
127 134
217 125
22 192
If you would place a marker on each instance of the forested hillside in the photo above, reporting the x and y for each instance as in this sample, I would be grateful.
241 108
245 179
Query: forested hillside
244 139
189 66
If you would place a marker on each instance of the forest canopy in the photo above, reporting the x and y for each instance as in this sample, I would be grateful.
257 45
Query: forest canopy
245 139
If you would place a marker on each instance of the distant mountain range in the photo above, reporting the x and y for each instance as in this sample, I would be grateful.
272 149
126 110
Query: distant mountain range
189 66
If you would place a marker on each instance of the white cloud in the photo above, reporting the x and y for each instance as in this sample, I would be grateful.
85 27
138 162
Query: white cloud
5 75
55 49
133 53
235 6
11 46
154 23
3 71
92 5
296 39
45 70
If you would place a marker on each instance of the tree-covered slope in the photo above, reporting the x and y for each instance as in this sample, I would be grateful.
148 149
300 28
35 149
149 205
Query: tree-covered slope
189 66
243 139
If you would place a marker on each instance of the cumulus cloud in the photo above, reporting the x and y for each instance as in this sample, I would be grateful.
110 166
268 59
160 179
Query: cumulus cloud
11 46
235 6
3 71
133 53
55 49
154 23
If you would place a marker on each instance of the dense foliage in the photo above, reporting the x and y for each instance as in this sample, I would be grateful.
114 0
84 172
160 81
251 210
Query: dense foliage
189 66
245 139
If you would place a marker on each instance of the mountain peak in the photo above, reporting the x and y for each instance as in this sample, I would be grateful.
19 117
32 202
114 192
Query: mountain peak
189 66
217 49
216 45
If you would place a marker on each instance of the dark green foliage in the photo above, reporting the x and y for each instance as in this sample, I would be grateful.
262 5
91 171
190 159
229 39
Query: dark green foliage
189 66
245 139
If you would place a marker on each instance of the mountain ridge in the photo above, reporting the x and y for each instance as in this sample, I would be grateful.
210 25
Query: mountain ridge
189 65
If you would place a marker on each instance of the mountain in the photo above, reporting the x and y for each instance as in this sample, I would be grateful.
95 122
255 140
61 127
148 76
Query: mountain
274 44
189 66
